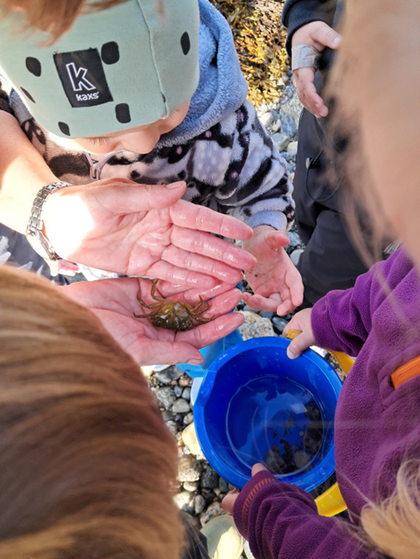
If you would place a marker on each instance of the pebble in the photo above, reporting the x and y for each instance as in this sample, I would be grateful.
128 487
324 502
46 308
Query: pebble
191 486
255 327
181 406
279 324
184 381
185 501
292 149
199 504
169 374
189 438
223 485
281 141
215 509
186 393
166 396
267 119
209 478
189 418
189 469
178 391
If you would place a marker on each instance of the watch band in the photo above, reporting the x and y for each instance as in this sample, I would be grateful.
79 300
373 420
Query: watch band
35 226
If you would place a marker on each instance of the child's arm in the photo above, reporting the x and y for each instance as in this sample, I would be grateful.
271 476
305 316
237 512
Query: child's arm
281 521
342 320
256 188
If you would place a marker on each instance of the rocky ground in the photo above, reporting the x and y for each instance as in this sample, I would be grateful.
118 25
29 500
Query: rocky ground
201 489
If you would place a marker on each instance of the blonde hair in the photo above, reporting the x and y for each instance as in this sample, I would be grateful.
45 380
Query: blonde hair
87 465
57 16
380 45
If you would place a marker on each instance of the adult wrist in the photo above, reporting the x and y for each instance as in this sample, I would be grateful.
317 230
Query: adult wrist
36 232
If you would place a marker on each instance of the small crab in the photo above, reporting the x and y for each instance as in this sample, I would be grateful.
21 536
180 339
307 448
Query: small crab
173 315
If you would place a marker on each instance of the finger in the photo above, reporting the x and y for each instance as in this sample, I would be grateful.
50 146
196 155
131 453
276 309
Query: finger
134 197
308 95
259 303
202 264
179 293
277 239
207 334
258 468
325 36
286 307
157 352
298 345
186 278
208 245
200 218
229 501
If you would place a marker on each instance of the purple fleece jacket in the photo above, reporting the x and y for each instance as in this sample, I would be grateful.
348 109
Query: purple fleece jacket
376 426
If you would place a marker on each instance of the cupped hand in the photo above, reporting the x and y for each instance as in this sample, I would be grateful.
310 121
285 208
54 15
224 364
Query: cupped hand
229 501
319 35
301 322
275 281
143 230
114 301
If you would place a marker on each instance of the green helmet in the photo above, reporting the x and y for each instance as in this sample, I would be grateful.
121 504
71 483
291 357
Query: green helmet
126 66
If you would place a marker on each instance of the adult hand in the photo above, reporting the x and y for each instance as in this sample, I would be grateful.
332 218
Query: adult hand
319 35
142 230
302 323
114 301
275 281
229 501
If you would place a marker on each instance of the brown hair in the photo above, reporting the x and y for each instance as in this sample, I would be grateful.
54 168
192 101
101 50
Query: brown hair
379 53
86 462
57 16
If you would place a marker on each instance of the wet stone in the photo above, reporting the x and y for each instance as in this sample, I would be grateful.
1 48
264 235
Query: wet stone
168 375
279 324
223 485
166 396
209 479
186 393
178 391
191 486
181 406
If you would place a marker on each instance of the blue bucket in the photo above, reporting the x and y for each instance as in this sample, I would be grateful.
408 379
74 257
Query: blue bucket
257 405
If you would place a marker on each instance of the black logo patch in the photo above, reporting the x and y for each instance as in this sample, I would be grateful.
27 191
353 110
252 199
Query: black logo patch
83 77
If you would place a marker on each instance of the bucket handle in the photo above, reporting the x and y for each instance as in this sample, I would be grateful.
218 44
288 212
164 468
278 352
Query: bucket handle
331 501
343 359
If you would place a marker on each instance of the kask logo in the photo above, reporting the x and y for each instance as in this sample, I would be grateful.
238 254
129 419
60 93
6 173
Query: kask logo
83 78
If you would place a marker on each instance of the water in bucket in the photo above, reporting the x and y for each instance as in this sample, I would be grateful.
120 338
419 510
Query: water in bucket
257 405
286 430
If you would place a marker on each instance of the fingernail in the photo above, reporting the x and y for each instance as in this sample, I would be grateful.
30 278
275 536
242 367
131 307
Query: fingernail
290 354
175 184
337 41
194 362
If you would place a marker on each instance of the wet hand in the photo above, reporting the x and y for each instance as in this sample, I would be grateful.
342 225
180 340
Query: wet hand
275 281
143 230
114 301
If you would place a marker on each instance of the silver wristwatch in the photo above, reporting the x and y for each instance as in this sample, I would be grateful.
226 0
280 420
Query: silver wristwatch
34 230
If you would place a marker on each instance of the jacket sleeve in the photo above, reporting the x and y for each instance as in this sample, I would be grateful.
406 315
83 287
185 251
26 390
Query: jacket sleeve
281 521
342 320
256 186
4 100
297 13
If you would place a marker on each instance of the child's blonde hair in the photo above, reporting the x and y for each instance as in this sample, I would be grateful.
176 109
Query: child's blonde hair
87 465
56 17
380 50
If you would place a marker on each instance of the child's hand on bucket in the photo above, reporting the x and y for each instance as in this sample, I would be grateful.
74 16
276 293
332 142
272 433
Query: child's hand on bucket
302 323
229 501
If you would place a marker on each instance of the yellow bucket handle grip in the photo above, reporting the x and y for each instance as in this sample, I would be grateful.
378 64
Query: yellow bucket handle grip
343 359
331 501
